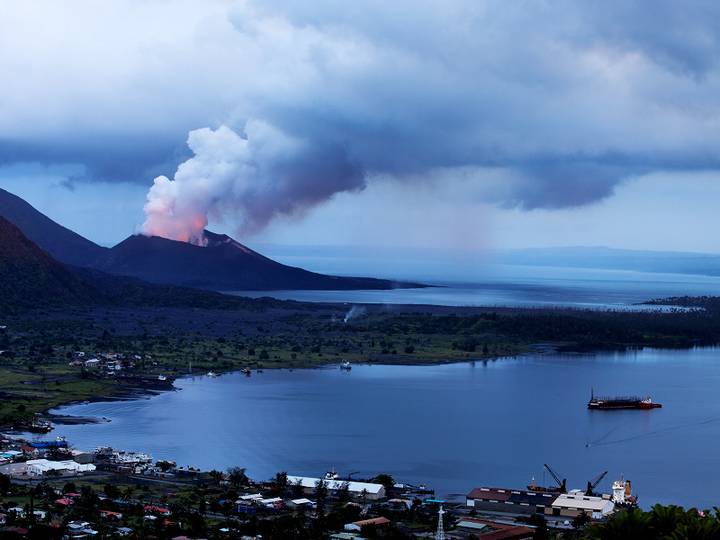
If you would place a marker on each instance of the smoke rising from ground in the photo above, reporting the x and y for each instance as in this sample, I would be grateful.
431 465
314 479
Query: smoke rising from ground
354 312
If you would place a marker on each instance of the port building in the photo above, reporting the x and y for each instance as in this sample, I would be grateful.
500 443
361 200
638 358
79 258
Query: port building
576 503
39 467
510 500
358 490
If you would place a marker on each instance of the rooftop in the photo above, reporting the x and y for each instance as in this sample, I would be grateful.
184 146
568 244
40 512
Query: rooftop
357 487
582 502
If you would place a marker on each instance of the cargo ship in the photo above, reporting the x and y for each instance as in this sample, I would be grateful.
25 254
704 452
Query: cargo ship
622 402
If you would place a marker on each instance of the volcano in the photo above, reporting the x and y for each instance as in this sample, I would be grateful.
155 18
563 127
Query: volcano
221 264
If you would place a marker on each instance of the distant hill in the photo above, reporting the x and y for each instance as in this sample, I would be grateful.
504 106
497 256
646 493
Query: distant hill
29 277
63 244
670 262
223 264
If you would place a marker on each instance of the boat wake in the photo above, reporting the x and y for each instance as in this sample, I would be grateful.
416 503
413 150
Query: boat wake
603 441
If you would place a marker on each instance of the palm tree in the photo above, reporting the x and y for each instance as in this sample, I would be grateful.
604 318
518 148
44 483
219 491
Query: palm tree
633 523
237 476
216 475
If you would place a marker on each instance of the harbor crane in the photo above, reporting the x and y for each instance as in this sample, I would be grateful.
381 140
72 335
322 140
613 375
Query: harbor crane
562 484
592 484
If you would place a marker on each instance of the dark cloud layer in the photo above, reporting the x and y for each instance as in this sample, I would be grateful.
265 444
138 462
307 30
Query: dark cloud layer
566 99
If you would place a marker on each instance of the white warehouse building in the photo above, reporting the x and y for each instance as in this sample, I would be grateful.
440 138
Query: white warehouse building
576 502
372 492
39 467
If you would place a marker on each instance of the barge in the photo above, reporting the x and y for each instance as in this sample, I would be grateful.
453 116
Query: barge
621 402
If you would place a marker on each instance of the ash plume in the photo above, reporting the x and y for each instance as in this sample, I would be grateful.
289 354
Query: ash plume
254 176
315 102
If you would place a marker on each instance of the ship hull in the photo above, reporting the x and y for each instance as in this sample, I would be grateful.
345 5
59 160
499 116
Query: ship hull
611 406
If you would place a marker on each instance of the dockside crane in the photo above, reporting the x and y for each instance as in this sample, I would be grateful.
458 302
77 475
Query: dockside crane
562 484
592 484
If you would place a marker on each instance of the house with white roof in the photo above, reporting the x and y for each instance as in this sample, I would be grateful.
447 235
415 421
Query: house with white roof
575 502
359 490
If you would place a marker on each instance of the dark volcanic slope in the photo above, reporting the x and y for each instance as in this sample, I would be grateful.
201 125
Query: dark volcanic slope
63 244
29 277
223 264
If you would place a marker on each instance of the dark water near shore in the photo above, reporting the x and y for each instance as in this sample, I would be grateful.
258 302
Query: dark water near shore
523 286
451 426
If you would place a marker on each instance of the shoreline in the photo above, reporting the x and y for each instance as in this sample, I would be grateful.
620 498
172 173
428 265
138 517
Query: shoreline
140 393
136 393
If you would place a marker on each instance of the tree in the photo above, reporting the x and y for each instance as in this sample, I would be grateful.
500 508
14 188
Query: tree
280 482
386 480
69 487
216 475
343 492
111 491
633 523
321 492
581 520
4 484
540 524
297 488
128 493
237 476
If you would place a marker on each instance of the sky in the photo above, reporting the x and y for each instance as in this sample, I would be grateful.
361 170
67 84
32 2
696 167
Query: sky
466 124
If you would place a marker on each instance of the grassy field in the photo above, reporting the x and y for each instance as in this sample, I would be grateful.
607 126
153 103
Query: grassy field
35 371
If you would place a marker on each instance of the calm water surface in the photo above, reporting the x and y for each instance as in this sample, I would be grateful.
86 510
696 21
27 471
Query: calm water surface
518 286
451 426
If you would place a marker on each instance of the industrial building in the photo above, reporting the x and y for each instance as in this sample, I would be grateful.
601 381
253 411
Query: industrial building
576 502
39 467
514 501
359 490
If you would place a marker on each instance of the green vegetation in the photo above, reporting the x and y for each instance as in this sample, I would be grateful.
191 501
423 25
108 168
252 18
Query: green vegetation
35 370
660 523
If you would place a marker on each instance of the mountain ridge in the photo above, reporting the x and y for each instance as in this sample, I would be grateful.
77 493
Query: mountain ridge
222 264
31 278
60 242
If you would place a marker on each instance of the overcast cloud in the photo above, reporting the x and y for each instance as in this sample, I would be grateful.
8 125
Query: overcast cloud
542 104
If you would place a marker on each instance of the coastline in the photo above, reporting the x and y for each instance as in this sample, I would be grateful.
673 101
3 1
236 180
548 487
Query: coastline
224 342
131 394
146 393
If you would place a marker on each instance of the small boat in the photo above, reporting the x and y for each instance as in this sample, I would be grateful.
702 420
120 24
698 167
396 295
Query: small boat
212 374
346 366
246 372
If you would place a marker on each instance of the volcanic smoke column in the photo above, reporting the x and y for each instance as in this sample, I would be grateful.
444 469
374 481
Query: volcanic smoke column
250 179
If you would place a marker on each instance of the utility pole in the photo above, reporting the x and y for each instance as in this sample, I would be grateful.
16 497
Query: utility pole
440 534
